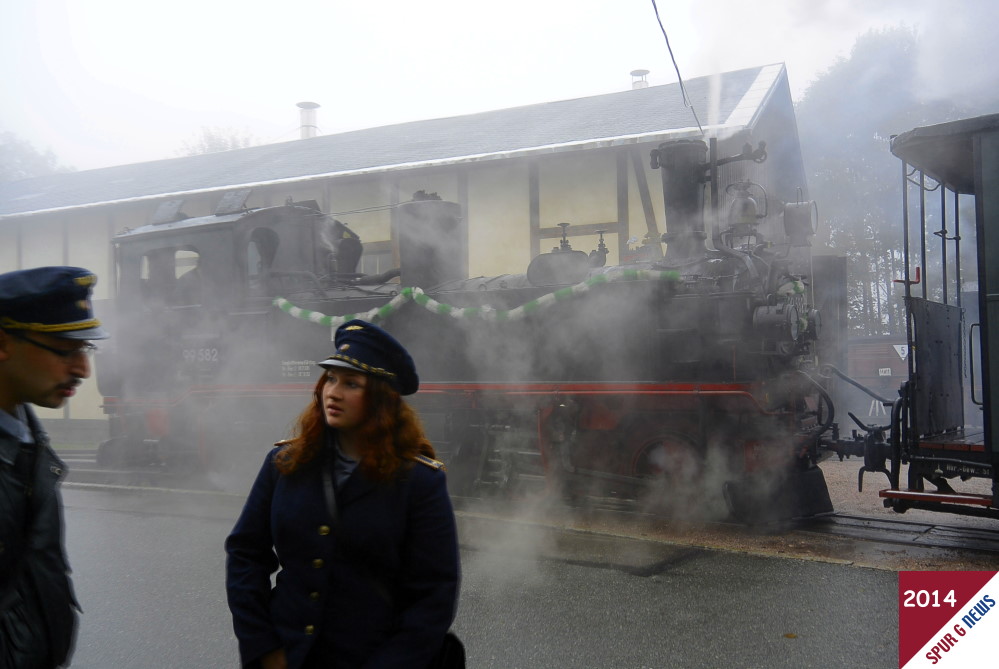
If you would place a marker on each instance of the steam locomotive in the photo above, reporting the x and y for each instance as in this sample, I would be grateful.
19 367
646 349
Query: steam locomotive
685 379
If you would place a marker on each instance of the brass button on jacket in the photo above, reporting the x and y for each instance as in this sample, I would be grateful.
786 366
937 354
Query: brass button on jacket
314 596
309 629
324 530
317 563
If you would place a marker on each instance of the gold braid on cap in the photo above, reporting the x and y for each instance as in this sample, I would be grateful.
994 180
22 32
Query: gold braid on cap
11 324
367 368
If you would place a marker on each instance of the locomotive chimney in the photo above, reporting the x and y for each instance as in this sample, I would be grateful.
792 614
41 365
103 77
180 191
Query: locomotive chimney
682 164
638 79
308 119
430 241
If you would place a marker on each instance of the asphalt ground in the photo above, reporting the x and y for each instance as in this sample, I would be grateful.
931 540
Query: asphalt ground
538 590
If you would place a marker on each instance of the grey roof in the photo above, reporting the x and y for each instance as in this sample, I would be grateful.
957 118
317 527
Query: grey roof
945 151
647 114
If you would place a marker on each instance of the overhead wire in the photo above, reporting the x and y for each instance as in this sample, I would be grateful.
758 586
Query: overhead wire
683 91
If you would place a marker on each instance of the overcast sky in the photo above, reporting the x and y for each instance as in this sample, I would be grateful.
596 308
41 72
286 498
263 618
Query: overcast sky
108 82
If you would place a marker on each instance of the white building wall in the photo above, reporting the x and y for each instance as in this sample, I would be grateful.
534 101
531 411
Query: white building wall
579 188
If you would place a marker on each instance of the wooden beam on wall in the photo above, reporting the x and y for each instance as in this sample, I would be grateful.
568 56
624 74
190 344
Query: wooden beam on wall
65 242
623 216
65 261
584 229
112 266
534 203
462 179
394 222
643 191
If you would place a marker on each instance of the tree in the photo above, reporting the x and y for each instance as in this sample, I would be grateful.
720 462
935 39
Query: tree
213 139
846 119
19 159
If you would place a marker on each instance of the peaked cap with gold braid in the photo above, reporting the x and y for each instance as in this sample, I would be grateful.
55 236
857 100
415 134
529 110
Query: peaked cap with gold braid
370 349
54 300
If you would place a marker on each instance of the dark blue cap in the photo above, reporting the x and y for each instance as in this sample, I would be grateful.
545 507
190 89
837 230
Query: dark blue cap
54 300
369 349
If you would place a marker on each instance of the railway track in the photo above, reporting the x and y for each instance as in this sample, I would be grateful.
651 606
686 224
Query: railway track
904 532
83 469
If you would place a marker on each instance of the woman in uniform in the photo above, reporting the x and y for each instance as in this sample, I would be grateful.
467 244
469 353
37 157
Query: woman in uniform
354 516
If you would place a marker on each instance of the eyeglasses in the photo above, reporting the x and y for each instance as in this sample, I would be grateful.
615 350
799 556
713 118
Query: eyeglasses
87 349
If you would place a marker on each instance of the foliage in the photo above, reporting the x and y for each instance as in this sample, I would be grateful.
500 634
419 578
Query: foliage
212 139
19 159
846 119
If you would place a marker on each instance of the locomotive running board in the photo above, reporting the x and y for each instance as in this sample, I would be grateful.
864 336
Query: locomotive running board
938 497
964 504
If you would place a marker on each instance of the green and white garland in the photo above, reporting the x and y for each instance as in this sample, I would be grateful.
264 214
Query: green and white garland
485 312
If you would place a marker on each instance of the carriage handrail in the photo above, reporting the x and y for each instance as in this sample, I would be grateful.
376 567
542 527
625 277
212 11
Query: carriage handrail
971 353
857 384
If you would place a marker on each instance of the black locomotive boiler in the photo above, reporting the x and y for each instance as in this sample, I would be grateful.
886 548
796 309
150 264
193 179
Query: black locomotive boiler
681 379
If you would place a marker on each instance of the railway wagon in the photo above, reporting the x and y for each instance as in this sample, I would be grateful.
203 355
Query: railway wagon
684 378
939 450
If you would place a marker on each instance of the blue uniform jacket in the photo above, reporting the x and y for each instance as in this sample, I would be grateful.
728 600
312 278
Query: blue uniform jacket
380 586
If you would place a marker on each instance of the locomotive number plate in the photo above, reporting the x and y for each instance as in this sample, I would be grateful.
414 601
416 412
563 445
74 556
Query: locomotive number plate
206 355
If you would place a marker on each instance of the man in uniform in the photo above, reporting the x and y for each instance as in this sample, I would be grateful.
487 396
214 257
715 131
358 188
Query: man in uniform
46 324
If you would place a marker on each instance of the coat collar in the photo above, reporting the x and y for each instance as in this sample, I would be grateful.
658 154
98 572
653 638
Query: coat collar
15 424
356 486
10 444
9 447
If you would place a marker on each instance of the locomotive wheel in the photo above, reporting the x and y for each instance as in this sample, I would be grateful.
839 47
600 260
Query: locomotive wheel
113 453
667 456
179 456
673 467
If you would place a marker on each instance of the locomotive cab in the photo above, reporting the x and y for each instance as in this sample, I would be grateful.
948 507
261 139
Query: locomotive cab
184 285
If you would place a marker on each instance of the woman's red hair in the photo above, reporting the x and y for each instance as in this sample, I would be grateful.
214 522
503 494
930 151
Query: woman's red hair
391 435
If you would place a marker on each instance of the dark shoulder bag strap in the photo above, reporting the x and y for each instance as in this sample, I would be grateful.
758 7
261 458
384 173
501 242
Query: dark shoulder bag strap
329 492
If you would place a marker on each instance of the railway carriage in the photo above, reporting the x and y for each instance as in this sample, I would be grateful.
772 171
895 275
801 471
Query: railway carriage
938 448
